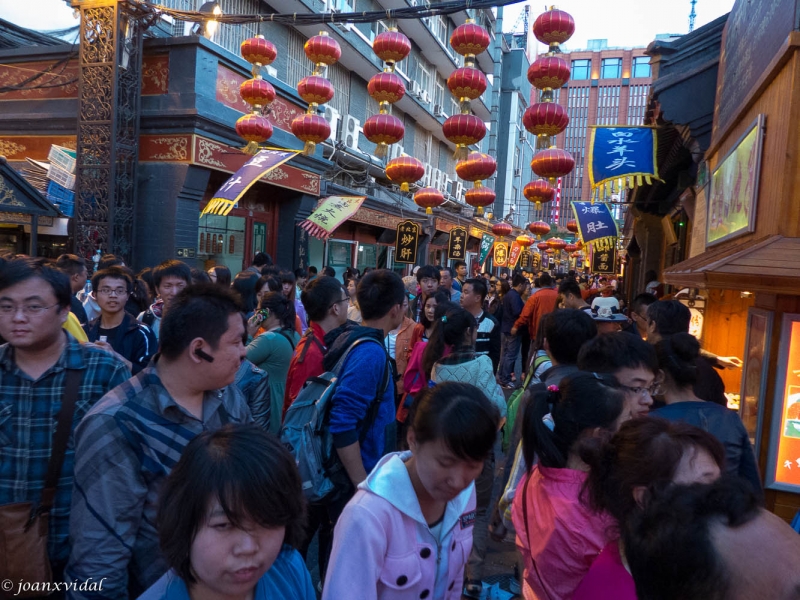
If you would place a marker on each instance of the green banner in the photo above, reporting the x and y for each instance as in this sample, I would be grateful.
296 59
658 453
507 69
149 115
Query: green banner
486 245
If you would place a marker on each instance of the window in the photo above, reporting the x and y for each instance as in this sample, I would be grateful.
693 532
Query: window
438 91
298 65
423 77
580 69
438 27
611 68
641 66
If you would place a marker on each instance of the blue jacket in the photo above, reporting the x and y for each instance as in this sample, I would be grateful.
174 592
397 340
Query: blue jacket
134 341
360 378
287 579
512 308
727 427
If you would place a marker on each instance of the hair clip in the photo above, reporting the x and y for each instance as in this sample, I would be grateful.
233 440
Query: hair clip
548 420
444 318
553 388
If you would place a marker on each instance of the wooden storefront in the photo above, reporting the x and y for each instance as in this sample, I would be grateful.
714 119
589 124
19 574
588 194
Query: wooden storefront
748 269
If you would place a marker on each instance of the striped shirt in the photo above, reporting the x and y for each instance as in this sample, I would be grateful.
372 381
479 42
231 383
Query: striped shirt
28 414
125 447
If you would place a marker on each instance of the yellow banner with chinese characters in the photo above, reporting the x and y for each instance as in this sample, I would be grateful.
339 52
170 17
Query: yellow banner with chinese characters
330 213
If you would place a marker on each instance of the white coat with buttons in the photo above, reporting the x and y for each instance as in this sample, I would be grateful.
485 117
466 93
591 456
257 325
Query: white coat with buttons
383 548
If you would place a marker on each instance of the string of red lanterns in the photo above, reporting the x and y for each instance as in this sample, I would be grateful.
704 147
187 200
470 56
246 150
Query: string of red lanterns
316 89
254 127
546 119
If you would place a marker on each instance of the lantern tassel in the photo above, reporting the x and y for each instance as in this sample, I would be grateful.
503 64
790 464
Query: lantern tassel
480 211
381 150
461 153
404 187
464 106
478 185
309 148
429 211
251 148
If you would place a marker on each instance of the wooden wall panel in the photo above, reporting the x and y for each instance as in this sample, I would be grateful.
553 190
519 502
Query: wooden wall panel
725 330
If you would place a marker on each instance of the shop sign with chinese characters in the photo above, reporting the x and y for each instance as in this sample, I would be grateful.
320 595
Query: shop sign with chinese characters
500 254
604 261
405 249
486 246
457 246
525 259
516 249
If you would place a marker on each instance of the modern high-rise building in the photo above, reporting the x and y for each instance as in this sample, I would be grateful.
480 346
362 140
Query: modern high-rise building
607 86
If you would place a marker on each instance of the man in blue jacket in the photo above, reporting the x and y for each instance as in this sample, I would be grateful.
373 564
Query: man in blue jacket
512 308
115 330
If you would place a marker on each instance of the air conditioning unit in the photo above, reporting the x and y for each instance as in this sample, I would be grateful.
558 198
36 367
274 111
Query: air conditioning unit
271 71
522 136
415 89
333 117
343 27
455 190
352 128
436 179
517 172
423 97
438 111
428 177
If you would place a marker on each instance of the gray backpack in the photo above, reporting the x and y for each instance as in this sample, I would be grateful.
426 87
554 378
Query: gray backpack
306 432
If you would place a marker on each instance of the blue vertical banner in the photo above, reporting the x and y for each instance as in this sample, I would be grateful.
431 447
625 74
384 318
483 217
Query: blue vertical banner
595 221
622 153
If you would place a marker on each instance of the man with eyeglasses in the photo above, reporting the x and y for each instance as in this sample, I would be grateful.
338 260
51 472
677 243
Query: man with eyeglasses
632 361
115 330
35 366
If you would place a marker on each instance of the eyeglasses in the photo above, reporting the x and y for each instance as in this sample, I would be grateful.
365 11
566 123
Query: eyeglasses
639 391
112 292
30 310
345 299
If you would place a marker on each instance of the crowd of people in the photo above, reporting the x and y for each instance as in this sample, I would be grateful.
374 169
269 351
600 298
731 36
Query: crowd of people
217 424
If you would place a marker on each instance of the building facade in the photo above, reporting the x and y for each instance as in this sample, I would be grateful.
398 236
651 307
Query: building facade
190 103
607 86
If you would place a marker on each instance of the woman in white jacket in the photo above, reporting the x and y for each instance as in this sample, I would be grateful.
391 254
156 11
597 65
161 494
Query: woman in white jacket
407 532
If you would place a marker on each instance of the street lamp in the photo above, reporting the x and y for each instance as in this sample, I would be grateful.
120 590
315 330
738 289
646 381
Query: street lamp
211 24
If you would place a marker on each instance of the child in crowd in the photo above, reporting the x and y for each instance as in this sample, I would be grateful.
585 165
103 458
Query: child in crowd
230 512
408 530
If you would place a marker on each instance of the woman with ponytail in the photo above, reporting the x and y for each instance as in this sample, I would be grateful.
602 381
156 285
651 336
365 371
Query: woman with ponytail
645 457
677 355
450 356
559 536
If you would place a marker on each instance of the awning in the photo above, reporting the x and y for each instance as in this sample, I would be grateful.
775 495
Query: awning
770 265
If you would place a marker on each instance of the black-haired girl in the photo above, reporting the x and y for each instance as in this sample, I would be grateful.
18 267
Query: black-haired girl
407 532
559 537
230 512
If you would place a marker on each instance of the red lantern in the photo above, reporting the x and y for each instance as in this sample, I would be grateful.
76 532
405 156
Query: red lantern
572 225
545 119
502 228
575 254
254 129
315 90
571 248
524 241
404 170
553 27
542 246
539 228
428 198
479 197
469 39
548 72
322 49
550 251
463 131
476 167
391 47
386 87
383 130
579 244
466 84
311 129
556 243
538 191
258 52
552 164
257 92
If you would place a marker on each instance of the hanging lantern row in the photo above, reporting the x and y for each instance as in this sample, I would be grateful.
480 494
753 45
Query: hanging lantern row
542 246
386 88
466 83
254 127
428 198
556 243
502 228
546 119
316 90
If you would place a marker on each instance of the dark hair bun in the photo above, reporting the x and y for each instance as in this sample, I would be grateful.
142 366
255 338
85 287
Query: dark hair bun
685 346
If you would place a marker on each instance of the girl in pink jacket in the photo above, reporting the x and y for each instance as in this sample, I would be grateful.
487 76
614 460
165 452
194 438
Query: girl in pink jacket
407 532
